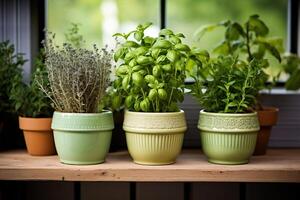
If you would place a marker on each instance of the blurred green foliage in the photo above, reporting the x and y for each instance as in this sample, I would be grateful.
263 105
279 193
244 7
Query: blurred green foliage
182 16
89 14
188 15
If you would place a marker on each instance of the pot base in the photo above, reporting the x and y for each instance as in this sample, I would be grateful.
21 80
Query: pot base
72 162
223 162
153 163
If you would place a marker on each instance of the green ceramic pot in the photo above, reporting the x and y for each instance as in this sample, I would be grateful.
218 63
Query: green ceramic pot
228 138
82 138
154 138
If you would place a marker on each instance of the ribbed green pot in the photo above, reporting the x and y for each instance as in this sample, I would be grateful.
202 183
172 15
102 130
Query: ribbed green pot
228 138
154 138
82 138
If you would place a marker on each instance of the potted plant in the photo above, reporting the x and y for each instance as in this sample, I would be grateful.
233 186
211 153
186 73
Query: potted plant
10 66
250 41
78 79
34 110
225 88
150 76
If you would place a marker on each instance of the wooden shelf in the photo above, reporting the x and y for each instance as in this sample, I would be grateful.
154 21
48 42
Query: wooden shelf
279 165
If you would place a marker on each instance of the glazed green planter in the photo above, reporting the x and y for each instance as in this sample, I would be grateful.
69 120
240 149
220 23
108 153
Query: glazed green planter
82 138
154 138
228 138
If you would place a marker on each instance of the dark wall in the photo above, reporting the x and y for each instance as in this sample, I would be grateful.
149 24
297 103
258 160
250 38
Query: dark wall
147 191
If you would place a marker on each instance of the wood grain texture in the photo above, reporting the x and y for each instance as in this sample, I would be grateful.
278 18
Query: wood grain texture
279 165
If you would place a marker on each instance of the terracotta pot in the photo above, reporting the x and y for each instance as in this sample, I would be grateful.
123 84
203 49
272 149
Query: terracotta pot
267 118
38 135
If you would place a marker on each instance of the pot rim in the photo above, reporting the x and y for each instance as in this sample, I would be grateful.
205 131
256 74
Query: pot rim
269 109
154 113
35 118
83 126
86 114
227 114
35 124
156 117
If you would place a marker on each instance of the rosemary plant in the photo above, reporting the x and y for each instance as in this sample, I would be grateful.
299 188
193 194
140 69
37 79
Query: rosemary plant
77 77
230 86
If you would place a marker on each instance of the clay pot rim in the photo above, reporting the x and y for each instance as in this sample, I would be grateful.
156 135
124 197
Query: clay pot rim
35 124
268 109
34 118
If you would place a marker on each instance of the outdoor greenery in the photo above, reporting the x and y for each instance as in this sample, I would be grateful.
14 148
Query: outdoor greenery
151 71
77 77
10 68
91 17
189 15
247 41
251 40
185 15
291 66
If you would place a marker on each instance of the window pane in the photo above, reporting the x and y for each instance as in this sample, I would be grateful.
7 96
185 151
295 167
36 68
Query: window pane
188 15
100 19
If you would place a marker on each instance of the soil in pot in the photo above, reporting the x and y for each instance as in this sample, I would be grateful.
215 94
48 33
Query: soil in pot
268 118
38 135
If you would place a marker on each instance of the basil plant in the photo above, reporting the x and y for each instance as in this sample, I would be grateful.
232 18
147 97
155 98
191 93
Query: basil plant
150 71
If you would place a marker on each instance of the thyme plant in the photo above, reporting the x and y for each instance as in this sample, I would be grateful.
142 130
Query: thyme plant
77 77
151 71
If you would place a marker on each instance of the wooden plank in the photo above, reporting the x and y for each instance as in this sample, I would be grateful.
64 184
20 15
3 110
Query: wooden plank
279 165
105 190
272 191
159 191
215 191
